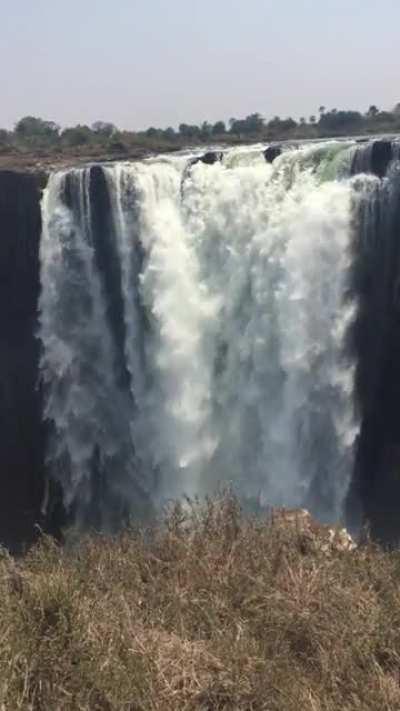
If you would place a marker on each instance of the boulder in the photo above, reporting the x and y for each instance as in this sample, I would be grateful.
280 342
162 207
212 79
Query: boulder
272 152
208 158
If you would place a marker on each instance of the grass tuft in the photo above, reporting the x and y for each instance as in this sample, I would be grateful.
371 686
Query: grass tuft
210 610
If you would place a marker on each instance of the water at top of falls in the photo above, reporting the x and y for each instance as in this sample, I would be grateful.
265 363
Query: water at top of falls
232 280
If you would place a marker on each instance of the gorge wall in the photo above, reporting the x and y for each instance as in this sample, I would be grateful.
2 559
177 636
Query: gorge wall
375 338
179 324
22 435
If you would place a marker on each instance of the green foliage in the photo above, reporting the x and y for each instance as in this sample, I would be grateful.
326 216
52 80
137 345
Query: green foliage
341 121
104 129
5 137
36 131
36 134
219 128
77 136
189 131
278 126
206 130
169 134
250 126
152 132
372 112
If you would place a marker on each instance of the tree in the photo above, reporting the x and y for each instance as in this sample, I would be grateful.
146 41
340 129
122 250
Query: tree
104 129
188 131
372 112
321 110
236 126
252 125
341 121
388 117
35 130
206 130
313 120
152 132
169 133
274 125
4 137
76 136
279 127
219 128
288 124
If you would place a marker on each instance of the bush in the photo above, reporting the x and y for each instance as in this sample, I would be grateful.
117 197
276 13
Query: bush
209 611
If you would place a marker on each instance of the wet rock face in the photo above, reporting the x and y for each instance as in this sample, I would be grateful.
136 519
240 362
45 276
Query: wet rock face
375 342
381 155
21 440
271 153
372 157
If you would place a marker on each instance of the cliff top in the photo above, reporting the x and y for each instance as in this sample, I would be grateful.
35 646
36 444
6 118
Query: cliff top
46 161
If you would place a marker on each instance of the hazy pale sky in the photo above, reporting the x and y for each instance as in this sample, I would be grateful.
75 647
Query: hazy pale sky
160 62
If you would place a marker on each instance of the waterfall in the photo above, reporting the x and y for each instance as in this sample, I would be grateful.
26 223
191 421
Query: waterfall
193 321
90 449
274 248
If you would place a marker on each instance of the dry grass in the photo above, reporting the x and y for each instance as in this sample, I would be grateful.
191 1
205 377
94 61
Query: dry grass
211 611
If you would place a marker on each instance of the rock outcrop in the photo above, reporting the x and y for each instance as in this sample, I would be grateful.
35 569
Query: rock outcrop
375 343
208 158
272 152
381 155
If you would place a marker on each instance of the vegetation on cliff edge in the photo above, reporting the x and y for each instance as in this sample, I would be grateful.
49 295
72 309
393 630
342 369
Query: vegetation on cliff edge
43 139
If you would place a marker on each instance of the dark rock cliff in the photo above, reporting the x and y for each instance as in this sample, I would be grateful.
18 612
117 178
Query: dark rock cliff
375 341
272 152
21 440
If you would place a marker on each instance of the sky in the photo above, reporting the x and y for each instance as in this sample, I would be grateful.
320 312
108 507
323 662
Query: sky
141 63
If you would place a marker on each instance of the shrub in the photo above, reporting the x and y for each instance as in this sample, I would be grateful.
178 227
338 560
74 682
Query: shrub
209 610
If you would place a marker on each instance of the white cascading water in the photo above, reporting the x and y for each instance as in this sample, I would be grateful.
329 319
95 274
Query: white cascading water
171 382
89 415
233 278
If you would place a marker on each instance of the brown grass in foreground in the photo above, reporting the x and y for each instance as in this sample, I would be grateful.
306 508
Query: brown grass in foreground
213 611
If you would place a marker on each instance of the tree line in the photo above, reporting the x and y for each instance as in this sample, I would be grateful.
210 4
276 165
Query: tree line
32 133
